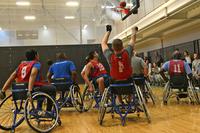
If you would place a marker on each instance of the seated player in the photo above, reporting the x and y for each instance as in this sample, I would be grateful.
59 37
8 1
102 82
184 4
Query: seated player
97 72
176 66
29 71
119 59
139 69
62 68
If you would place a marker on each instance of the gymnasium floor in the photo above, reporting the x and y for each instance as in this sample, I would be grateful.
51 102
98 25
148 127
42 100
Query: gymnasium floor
173 118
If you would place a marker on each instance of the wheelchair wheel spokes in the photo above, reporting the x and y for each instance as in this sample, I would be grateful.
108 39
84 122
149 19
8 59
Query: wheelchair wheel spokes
77 98
88 98
193 93
143 105
150 92
11 114
166 93
38 116
103 106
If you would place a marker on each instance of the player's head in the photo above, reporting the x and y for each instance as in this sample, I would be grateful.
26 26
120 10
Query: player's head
122 4
176 55
31 55
117 45
93 55
196 56
61 56
49 62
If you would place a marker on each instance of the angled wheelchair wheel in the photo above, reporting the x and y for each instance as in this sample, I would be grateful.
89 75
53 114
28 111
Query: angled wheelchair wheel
76 98
88 99
40 116
150 92
11 113
166 93
103 106
193 93
142 104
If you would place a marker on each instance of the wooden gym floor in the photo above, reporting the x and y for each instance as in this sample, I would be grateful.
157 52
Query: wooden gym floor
173 118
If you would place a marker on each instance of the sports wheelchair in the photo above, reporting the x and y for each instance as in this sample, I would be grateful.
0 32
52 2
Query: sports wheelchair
17 107
70 95
135 104
145 88
90 97
180 87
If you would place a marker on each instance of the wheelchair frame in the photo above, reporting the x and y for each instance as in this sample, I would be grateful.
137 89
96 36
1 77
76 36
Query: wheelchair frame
192 94
72 93
20 112
136 102
147 92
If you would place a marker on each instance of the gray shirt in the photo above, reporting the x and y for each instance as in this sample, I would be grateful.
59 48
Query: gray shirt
195 65
137 64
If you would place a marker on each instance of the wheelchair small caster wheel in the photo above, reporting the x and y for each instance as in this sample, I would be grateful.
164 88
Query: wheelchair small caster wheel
165 102
113 116
138 114
59 122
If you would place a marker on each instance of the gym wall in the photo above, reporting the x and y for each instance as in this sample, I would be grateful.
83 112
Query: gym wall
11 57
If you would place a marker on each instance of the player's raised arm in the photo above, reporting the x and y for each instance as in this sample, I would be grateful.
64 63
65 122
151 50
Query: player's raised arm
133 37
104 42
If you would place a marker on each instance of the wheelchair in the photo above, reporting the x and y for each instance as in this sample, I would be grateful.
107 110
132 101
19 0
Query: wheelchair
70 95
17 107
90 97
180 86
123 88
145 88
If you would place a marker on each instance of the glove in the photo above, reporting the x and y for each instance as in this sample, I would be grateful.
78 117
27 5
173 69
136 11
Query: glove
108 28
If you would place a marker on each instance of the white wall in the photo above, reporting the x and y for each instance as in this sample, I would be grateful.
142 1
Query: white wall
178 37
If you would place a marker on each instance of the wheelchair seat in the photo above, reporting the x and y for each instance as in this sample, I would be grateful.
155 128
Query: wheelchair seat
179 82
61 84
122 87
19 91
139 79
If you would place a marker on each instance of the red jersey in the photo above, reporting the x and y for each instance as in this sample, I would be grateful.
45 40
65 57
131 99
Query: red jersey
120 66
176 67
24 72
98 69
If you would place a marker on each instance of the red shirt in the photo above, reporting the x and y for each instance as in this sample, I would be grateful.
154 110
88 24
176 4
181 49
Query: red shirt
120 66
176 67
24 72
98 69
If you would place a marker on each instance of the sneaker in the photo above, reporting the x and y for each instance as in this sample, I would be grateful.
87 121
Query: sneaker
2 95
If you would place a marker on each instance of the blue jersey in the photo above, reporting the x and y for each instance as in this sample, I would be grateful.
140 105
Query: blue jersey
62 69
186 66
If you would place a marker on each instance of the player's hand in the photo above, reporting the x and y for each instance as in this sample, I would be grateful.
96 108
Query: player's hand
135 30
29 95
108 28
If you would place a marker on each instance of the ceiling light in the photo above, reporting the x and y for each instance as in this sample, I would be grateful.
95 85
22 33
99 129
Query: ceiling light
45 27
29 17
22 3
93 19
85 26
69 17
0 29
72 3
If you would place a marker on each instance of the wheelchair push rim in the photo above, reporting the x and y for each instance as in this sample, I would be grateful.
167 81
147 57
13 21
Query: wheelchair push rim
77 98
11 113
39 118
88 99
